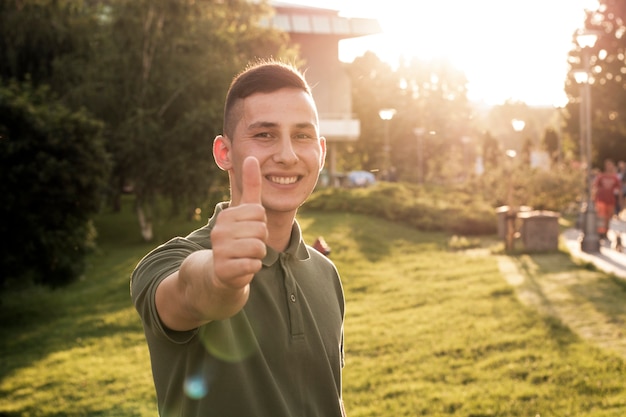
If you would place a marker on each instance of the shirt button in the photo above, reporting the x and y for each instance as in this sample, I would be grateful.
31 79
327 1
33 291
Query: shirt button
292 297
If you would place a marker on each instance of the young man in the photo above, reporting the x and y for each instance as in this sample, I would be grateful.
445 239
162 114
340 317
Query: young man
241 317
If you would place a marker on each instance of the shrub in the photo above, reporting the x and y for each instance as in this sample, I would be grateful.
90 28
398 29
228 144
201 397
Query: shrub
466 208
428 209
556 189
53 168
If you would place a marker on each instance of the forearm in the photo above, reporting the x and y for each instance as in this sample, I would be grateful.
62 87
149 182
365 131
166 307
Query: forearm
193 295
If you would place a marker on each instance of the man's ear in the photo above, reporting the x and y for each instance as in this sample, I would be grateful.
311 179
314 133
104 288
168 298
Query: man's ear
323 155
221 152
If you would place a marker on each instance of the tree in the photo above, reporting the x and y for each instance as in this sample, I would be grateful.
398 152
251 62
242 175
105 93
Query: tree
51 152
492 152
374 87
46 41
165 69
608 82
53 167
429 97
434 100
153 72
551 143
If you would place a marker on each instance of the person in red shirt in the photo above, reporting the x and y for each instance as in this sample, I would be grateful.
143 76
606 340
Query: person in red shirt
607 192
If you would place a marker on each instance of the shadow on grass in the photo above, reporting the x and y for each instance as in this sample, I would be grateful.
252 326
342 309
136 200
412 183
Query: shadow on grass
37 322
604 291
576 295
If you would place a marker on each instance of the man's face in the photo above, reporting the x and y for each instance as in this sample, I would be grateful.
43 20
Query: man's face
280 129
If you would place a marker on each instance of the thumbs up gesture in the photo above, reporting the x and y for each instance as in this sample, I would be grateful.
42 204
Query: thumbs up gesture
240 233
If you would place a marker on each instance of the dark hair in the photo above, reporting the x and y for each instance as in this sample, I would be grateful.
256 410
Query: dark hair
260 77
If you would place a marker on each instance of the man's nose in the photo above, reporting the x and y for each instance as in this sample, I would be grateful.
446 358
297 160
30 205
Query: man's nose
286 153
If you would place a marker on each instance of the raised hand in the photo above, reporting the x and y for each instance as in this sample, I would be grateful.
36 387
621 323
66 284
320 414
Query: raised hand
240 233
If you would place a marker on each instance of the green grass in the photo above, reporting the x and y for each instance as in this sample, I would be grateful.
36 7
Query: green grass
429 331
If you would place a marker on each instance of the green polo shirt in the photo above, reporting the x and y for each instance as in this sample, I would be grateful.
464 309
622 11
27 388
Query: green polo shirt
280 356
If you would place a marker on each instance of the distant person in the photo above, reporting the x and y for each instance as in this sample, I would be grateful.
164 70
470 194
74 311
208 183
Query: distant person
241 317
606 192
621 173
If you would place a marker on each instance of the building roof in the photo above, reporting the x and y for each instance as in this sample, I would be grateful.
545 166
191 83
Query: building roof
298 19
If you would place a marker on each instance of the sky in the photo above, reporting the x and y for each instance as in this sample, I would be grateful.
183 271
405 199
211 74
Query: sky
508 49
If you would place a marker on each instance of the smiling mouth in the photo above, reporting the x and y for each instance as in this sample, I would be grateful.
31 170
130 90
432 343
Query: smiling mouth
283 180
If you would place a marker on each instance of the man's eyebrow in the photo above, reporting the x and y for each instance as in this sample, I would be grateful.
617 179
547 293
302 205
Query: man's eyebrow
302 125
305 125
257 125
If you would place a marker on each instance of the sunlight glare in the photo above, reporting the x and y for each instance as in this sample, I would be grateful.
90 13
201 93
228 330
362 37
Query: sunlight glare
507 50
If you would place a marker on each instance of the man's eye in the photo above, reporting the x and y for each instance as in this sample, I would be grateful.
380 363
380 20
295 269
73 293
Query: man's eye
305 136
263 135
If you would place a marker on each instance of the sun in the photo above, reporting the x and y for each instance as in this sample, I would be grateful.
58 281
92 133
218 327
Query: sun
507 50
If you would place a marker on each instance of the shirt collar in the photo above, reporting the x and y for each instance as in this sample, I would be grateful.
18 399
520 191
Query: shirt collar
296 248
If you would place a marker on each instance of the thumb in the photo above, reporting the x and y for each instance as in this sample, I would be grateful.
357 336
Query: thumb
251 181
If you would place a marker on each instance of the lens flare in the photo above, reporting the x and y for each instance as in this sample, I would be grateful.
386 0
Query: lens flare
196 387
230 340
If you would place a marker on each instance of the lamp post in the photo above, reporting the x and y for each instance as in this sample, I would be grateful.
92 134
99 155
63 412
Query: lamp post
590 241
518 126
386 115
559 105
511 214
581 77
465 140
419 133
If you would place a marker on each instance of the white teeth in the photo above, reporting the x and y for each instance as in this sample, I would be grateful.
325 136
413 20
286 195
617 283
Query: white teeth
283 180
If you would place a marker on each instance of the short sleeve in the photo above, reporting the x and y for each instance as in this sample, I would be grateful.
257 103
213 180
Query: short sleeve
148 274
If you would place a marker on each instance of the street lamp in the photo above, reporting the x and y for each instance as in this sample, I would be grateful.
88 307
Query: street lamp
518 125
386 115
590 241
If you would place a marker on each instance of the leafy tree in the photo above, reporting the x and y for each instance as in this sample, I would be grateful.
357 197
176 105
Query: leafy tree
608 82
432 115
53 166
434 100
551 143
492 153
49 42
374 87
51 153
500 119
164 73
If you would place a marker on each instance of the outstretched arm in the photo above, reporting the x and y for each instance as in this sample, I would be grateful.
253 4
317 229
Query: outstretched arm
214 284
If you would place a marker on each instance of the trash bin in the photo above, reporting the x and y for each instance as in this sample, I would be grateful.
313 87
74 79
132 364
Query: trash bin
501 215
501 219
539 230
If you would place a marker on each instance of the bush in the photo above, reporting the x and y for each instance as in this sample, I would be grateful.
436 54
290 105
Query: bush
556 190
53 168
466 208
428 209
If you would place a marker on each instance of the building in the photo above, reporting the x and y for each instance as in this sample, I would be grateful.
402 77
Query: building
318 32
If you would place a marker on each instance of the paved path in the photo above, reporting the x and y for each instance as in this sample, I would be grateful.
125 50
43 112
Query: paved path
582 299
608 260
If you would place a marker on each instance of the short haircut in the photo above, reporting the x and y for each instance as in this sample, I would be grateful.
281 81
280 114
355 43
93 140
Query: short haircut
260 77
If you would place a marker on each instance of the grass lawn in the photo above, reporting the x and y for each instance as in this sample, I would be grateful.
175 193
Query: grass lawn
429 331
